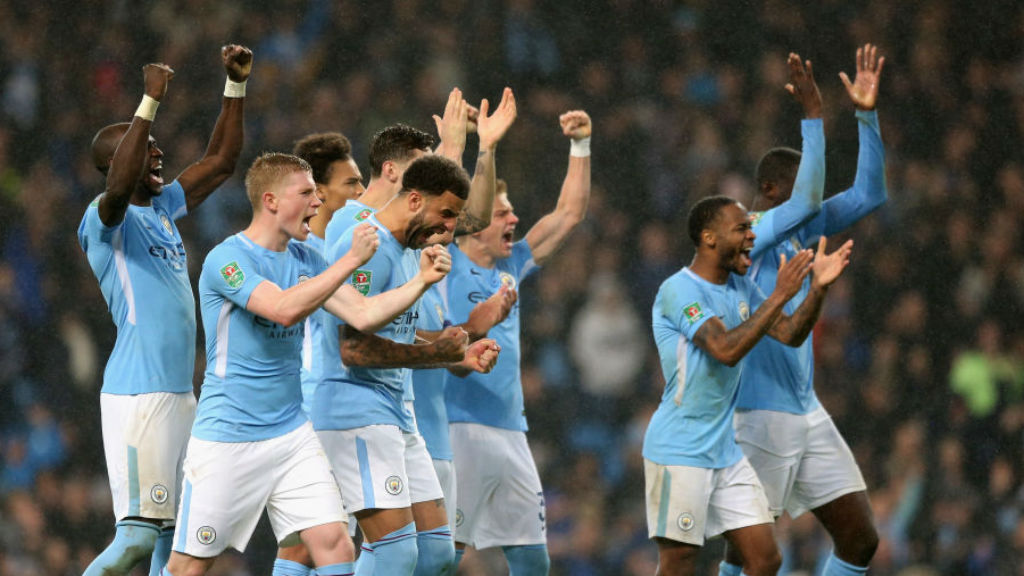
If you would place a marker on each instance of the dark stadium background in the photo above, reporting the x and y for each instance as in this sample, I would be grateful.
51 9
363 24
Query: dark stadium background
920 349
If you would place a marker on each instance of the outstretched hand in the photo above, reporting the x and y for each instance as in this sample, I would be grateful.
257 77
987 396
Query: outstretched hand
864 88
576 124
237 62
452 126
155 78
792 273
803 87
828 267
492 128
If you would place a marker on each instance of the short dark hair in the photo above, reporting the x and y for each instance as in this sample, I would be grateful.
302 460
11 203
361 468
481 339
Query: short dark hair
321 151
396 143
435 175
703 213
777 164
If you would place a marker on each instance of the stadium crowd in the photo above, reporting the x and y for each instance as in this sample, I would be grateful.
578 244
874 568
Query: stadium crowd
920 351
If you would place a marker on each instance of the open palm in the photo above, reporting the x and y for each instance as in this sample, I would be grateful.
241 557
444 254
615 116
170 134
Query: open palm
864 88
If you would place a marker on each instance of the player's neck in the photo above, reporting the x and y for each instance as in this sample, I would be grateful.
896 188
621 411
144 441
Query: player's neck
474 250
706 266
266 233
378 193
391 218
141 197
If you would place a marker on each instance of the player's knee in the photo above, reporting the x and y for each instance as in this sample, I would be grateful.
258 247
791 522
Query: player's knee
435 553
331 539
527 560
858 546
764 564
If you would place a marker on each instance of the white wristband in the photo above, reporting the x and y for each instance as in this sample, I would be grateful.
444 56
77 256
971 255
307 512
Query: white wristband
234 89
147 108
580 148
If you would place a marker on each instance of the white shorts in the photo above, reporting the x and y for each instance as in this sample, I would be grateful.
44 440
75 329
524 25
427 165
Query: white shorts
227 485
445 470
381 466
500 499
689 504
802 460
144 439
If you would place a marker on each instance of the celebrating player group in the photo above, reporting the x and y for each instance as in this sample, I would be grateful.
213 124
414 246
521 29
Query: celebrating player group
363 349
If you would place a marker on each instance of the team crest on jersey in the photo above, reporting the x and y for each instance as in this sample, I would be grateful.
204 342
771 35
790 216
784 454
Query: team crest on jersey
693 312
166 222
158 494
361 280
206 535
363 214
508 280
233 274
393 485
685 522
459 517
755 218
744 310
796 244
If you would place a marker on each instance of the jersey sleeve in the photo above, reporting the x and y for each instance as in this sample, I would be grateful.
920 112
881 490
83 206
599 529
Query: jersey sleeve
804 203
232 274
92 229
869 190
172 199
521 260
687 308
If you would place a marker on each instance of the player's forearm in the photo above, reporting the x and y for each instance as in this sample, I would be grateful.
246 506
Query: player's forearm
222 152
793 330
809 185
371 351
575 193
870 176
479 206
126 169
731 346
373 313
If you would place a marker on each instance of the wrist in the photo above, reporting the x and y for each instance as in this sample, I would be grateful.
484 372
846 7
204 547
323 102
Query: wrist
234 89
580 148
147 108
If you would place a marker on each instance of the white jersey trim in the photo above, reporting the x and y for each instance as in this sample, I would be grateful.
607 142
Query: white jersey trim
223 325
307 345
527 268
122 272
681 348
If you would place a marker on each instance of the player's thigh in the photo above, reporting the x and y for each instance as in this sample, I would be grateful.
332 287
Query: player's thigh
479 467
827 468
144 440
677 500
369 466
305 493
226 486
737 500
515 513
445 470
773 443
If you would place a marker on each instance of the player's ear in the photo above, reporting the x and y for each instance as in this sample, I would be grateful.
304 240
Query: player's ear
415 200
270 201
707 236
390 171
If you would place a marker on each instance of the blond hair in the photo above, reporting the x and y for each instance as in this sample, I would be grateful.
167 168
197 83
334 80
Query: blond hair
269 169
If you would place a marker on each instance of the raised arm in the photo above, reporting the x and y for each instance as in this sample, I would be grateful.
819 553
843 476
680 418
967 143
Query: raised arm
476 215
549 232
869 190
804 203
293 305
131 156
370 314
730 346
793 330
200 179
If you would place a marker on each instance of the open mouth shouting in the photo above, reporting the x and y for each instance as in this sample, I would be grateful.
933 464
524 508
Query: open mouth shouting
155 178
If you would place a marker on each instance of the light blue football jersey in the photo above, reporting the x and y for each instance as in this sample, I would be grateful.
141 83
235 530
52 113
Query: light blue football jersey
693 424
494 399
252 389
353 397
352 213
428 384
143 275
311 341
779 377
